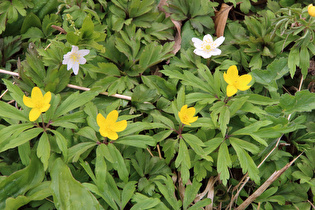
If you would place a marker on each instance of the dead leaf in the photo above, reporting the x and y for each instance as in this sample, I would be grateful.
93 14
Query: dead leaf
220 19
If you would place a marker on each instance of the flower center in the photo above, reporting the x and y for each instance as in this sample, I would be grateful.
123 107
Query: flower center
39 104
208 46
74 57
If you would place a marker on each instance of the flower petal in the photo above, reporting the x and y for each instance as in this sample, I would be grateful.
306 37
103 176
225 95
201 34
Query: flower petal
100 119
45 107
75 68
74 49
215 51
103 132
120 126
219 41
36 94
230 90
83 52
34 114
232 75
190 112
202 53
28 101
82 60
191 120
207 38
47 98
197 42
112 135
242 82
112 117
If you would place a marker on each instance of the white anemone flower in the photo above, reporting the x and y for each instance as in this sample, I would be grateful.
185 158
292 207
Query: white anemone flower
207 47
74 58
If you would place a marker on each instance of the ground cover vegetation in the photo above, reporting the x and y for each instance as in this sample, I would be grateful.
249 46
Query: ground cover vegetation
177 104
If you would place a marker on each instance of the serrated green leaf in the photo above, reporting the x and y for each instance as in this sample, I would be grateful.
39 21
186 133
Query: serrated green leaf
247 163
224 161
303 101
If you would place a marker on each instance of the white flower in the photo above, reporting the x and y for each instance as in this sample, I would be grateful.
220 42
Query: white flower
74 58
207 47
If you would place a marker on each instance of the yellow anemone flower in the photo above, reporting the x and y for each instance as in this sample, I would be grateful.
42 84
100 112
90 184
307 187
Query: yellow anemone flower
311 10
236 82
186 115
37 102
108 126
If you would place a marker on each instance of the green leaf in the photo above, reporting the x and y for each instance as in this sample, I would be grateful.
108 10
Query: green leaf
127 193
68 193
303 101
247 163
100 166
9 111
183 160
168 191
141 141
304 61
43 150
261 100
293 60
224 161
195 143
21 181
190 193
20 139
118 162
74 101
31 20
143 202
88 132
224 119
77 150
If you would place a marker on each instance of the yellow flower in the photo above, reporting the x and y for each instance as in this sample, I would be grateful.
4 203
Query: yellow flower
186 115
37 102
109 127
311 10
236 82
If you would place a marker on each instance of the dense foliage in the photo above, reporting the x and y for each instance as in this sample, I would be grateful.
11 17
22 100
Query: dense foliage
108 105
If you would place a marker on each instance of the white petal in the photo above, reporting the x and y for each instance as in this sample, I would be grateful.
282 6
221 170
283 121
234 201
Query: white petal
197 42
69 65
74 49
215 51
208 38
83 52
82 60
219 41
75 68
202 53
65 61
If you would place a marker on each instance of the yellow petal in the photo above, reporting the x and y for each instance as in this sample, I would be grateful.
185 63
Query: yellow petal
242 82
190 112
311 10
112 135
100 119
112 117
120 126
34 114
36 94
103 132
28 101
47 98
232 75
193 119
183 109
230 90
45 107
